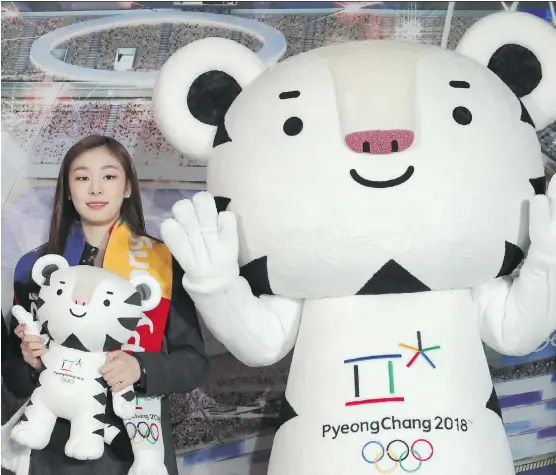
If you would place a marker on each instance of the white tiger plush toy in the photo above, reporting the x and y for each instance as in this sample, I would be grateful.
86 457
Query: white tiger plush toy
83 312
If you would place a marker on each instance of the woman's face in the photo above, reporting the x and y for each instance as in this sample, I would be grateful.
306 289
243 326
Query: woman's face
97 185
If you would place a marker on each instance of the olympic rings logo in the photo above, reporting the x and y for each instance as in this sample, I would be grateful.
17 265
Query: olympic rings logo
67 380
141 432
377 457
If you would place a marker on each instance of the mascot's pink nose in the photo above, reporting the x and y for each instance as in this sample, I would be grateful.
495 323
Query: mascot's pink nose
81 302
380 142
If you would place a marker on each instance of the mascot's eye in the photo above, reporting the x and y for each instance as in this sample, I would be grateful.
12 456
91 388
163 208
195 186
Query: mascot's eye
59 292
462 115
106 303
293 126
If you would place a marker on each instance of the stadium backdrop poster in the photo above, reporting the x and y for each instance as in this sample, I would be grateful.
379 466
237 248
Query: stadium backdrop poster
226 427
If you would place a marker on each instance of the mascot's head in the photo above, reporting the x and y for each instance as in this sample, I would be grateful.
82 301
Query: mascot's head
371 167
89 308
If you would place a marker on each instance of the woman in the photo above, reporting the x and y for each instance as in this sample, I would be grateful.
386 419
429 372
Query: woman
98 220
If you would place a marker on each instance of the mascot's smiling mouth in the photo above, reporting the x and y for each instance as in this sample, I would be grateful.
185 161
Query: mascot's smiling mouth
78 316
382 184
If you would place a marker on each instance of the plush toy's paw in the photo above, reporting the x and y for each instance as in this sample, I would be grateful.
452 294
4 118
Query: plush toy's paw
123 408
85 447
11 450
18 464
27 434
25 318
15 457
148 466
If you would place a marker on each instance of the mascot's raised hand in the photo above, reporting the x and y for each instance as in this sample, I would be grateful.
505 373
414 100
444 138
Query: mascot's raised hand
515 316
204 242
542 227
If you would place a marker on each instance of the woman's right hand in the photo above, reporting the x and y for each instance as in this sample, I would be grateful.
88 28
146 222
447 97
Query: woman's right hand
32 347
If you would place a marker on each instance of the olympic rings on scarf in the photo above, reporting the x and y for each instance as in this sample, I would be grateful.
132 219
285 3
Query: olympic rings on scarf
141 432
67 380
409 450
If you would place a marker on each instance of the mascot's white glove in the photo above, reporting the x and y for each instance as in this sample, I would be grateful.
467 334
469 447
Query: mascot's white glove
257 330
542 227
515 317
204 242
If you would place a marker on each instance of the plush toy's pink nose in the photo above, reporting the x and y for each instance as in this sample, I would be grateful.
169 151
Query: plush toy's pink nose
380 142
81 302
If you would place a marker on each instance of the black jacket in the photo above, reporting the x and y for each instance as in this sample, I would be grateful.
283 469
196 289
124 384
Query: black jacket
4 338
180 367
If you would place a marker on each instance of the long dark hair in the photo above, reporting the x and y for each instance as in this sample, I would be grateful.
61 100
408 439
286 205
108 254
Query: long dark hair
64 213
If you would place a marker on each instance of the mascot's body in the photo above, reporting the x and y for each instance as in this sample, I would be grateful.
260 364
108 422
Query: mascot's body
383 193
83 312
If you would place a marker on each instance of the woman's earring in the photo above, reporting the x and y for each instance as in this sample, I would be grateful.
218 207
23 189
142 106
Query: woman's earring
126 195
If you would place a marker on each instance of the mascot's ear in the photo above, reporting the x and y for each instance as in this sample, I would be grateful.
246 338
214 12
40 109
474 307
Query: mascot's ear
46 266
195 89
521 50
149 290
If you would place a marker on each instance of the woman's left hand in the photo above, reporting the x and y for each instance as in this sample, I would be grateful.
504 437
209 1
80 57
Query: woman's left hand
120 370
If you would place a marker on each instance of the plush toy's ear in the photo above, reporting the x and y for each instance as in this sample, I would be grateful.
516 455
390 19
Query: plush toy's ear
195 89
521 50
149 290
45 266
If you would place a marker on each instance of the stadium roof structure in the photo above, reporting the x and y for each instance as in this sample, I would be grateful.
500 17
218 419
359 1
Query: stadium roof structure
273 41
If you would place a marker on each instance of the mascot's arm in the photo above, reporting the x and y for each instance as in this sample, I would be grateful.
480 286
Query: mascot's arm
257 331
516 316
